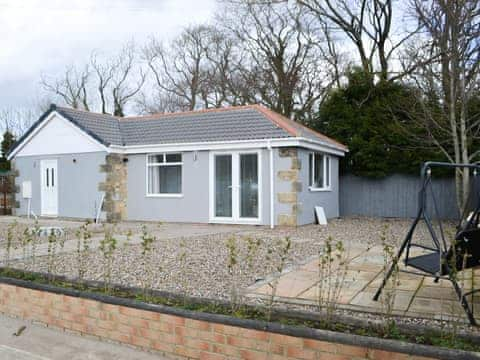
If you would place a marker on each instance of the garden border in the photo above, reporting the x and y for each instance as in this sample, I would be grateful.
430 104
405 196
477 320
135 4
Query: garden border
372 343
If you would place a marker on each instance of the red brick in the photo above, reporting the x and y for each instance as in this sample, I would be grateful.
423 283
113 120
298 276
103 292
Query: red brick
286 340
254 334
252 355
301 353
195 324
226 350
319 345
163 346
210 356
356 351
375 354
175 320
225 329
139 341
197 344
187 352
328 356
247 343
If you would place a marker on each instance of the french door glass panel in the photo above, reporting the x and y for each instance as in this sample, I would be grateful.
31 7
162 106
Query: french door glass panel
248 185
223 185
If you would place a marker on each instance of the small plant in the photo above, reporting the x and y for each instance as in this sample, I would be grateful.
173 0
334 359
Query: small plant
27 238
51 252
233 270
332 269
9 242
390 290
182 261
108 246
283 251
147 275
35 235
84 236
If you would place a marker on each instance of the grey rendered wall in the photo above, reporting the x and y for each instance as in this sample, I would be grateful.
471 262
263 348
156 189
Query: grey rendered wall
78 194
194 205
329 200
306 199
394 196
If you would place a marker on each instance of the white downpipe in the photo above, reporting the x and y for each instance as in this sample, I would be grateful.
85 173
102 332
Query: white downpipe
272 192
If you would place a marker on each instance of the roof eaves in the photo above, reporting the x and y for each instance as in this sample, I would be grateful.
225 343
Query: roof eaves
284 123
91 133
22 138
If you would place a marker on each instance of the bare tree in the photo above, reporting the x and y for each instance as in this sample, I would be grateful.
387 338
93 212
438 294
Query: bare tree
109 83
368 24
17 120
451 82
282 67
127 79
179 67
71 87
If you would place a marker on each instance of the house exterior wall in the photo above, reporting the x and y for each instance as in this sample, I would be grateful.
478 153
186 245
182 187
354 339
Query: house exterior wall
307 199
294 202
78 194
193 206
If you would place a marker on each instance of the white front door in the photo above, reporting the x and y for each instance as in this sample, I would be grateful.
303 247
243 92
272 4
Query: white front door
235 191
49 187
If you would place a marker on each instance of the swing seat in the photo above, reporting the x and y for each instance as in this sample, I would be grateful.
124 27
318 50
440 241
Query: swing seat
428 263
467 243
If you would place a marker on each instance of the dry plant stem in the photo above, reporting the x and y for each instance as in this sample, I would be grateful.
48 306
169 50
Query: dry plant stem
147 276
108 246
332 269
285 246
389 293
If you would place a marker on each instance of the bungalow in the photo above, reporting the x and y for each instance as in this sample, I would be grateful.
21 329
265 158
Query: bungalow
242 165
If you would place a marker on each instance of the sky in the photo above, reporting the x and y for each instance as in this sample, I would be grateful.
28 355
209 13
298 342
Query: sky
44 36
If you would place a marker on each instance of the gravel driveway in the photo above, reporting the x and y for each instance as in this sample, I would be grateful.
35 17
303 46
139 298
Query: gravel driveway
209 263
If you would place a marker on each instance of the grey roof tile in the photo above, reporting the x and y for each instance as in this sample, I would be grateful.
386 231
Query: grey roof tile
227 124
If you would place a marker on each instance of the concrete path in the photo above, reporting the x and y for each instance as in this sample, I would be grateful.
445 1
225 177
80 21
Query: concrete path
37 342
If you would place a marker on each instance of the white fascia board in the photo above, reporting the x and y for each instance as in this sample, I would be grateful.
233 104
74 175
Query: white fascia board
44 123
229 145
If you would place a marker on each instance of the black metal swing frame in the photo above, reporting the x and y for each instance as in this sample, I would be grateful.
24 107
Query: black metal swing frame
443 261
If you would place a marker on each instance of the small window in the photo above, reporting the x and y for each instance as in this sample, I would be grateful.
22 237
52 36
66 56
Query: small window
319 171
164 174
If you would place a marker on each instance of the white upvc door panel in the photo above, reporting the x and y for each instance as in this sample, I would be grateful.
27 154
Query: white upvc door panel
235 187
49 187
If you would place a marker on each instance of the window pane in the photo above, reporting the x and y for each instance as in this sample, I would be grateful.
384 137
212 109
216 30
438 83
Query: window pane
249 185
165 179
223 185
158 158
173 158
318 176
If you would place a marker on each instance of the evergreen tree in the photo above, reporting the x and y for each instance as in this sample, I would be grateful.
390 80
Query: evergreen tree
370 119
7 143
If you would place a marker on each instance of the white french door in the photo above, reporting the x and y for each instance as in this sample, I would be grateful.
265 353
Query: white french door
235 191
49 187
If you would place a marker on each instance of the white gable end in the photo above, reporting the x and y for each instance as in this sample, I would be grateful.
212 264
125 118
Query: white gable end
58 136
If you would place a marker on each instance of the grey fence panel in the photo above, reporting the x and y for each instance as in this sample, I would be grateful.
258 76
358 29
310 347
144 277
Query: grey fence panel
394 196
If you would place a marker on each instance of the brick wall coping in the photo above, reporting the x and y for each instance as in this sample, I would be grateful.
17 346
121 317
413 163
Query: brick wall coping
272 327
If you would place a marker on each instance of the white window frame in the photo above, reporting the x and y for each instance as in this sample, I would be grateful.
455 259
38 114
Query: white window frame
160 164
327 161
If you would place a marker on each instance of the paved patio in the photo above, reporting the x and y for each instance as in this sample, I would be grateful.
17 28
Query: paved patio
360 276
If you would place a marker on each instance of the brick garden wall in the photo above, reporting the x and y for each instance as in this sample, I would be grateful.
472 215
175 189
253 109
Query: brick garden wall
172 335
